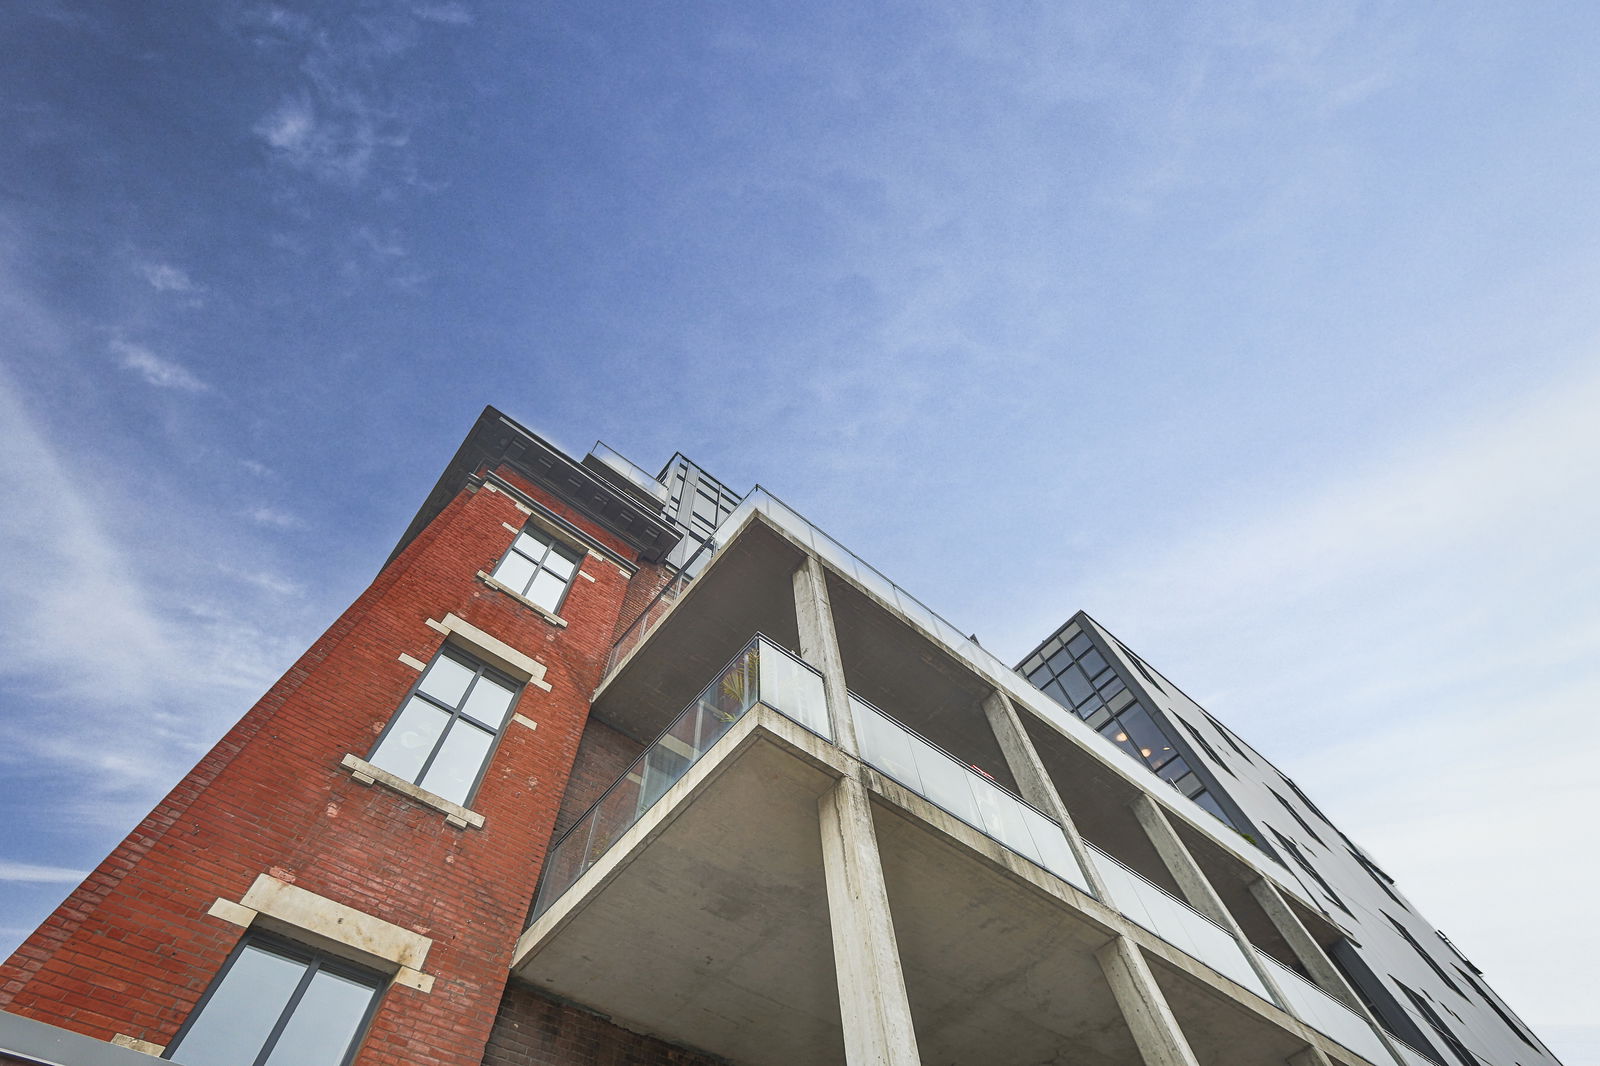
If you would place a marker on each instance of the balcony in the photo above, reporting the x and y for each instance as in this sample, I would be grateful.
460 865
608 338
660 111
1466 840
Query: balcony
690 901
762 673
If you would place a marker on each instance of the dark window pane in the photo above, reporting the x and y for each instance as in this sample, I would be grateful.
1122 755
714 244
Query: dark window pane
1055 692
1079 644
1076 685
1040 677
1060 660
1092 663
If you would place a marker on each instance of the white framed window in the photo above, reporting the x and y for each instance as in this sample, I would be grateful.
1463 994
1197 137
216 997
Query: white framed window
539 568
277 1003
441 738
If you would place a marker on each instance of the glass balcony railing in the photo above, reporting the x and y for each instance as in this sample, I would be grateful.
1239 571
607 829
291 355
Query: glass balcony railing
630 472
1326 1014
963 792
964 648
763 673
1179 924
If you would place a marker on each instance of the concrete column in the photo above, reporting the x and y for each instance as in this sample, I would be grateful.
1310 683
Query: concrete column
873 1007
1196 888
1144 1008
1323 972
1022 758
1310 954
819 646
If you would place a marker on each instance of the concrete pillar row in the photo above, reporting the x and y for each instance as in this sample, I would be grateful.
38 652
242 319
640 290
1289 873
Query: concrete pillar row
1196 887
1155 1029
873 1007
1323 972
1022 758
819 646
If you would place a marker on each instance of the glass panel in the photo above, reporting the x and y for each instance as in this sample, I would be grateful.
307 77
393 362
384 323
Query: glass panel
946 782
324 1022
560 563
446 680
1079 644
546 590
1077 686
236 1020
410 740
1060 661
1002 818
532 545
792 688
515 572
613 816
886 746
1054 851
1057 693
456 766
1092 663
489 702
1175 769
1326 1014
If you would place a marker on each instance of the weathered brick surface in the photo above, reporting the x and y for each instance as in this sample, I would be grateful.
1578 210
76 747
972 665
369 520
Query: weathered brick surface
132 949
531 1030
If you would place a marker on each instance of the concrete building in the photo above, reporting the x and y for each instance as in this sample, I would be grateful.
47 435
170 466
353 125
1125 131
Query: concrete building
608 768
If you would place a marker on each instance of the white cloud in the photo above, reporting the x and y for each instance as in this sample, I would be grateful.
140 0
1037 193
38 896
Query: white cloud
272 516
448 14
1416 644
160 372
164 277
28 873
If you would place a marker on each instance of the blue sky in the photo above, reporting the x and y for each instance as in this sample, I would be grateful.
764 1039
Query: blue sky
1266 332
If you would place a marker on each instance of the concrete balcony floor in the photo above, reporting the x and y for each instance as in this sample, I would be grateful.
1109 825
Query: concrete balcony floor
707 924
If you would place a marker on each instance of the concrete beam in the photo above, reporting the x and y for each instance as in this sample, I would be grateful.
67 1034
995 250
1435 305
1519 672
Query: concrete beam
1323 972
873 1007
1196 887
1310 1056
1155 1029
1022 758
819 646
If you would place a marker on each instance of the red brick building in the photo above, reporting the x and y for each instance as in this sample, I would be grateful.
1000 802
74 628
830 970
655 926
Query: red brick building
286 832
606 769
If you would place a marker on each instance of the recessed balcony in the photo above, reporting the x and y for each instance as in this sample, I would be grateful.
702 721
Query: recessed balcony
690 901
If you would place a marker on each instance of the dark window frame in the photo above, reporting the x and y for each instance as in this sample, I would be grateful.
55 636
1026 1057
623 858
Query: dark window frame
571 552
480 670
315 962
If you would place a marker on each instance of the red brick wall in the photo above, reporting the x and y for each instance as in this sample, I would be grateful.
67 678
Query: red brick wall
534 1031
132 949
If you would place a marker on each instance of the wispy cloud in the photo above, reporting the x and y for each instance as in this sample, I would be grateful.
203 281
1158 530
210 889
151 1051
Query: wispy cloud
29 873
163 277
157 371
275 517
449 14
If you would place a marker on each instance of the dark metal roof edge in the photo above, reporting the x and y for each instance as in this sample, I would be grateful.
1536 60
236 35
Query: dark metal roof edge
495 438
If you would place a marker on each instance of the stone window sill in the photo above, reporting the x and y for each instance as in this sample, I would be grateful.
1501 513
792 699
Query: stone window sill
367 774
553 619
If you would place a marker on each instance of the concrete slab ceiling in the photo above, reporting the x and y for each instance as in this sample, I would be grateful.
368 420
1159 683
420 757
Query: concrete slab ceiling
910 678
996 971
1222 1030
716 935
746 589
